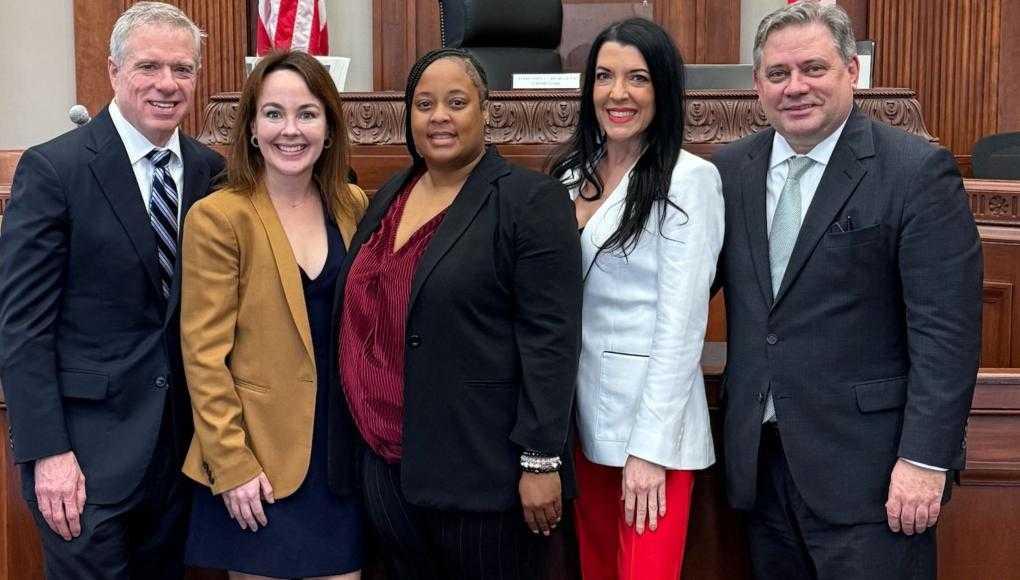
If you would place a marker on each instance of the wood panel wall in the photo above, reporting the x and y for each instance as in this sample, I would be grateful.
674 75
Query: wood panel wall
951 52
707 31
224 21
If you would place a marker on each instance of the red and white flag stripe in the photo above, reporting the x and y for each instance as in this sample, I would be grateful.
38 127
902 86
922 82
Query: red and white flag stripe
293 24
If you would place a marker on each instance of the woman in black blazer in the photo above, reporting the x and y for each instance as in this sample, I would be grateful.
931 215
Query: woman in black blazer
458 343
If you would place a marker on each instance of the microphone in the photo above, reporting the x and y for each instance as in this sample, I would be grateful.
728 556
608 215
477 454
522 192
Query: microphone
79 115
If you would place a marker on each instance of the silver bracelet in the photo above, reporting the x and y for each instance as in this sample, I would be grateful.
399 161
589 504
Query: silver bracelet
535 462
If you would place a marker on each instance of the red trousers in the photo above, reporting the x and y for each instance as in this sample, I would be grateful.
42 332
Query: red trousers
612 550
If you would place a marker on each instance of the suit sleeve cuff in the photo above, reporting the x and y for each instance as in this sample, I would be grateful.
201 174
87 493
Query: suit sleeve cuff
924 465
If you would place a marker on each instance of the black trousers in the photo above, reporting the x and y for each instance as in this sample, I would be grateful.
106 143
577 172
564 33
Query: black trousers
140 538
429 544
789 542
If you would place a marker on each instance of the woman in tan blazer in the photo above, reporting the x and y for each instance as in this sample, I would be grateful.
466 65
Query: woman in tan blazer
260 260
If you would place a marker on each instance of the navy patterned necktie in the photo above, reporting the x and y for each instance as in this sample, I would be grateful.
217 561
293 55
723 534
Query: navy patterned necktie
163 215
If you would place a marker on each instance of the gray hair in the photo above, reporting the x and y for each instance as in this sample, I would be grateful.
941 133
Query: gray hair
151 14
808 12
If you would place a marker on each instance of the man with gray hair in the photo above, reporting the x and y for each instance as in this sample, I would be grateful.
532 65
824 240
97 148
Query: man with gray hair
89 342
852 274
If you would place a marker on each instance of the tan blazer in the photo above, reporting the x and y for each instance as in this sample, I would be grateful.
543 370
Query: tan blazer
247 343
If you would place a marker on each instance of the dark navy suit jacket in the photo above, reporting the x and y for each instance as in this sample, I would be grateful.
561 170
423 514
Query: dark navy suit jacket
871 345
89 348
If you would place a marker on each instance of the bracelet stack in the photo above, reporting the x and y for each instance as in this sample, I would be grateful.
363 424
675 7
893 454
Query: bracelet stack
535 462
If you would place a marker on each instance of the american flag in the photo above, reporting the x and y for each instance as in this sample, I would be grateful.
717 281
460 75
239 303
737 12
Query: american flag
293 24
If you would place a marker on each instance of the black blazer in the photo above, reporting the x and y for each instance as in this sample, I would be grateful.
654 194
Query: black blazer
871 346
492 337
89 348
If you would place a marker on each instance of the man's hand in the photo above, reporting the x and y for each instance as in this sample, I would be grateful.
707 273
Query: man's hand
915 497
541 500
244 502
60 492
643 491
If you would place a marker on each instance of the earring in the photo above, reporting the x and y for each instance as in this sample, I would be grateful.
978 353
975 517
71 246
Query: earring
327 143
254 142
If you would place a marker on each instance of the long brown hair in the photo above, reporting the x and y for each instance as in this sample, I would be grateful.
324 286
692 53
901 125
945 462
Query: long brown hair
245 165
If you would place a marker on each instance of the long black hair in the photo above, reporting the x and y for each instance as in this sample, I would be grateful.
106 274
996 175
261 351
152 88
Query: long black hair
663 139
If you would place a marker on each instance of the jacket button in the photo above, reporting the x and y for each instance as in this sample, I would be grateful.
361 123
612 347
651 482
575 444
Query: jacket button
161 382
414 341
771 339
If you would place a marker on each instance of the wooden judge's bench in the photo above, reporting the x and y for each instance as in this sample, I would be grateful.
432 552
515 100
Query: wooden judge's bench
979 530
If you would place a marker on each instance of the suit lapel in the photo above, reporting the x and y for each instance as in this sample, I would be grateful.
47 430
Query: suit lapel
602 224
842 175
286 265
112 169
196 184
366 227
462 211
752 195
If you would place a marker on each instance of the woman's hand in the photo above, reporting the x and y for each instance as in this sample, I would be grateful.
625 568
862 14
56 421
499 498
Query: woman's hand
643 493
244 502
541 500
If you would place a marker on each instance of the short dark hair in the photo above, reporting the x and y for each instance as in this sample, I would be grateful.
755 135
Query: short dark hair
663 138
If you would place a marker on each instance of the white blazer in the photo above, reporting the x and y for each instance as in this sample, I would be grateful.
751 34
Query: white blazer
640 389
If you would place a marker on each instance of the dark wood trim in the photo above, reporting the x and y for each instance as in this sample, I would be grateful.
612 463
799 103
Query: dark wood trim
1009 68
547 117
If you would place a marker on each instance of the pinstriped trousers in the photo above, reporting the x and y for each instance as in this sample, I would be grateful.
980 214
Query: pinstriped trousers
428 544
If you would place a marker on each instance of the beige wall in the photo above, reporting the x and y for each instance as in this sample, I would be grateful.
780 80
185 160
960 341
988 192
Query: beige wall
350 35
36 70
751 13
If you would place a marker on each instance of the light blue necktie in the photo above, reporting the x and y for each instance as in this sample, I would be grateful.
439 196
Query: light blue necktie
783 236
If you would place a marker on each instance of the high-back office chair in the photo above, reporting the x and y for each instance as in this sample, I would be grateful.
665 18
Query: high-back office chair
506 36
997 156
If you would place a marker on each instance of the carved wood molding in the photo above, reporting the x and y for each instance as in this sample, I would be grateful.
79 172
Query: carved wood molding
548 117
994 201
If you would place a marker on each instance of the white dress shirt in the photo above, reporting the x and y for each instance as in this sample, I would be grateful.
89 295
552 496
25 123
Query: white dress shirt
778 170
138 146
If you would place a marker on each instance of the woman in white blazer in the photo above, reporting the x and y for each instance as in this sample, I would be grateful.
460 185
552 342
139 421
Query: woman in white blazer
651 223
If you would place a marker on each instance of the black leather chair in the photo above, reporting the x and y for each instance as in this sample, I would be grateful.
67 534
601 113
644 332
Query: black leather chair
506 36
997 156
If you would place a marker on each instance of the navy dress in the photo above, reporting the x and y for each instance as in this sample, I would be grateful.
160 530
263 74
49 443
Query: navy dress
312 532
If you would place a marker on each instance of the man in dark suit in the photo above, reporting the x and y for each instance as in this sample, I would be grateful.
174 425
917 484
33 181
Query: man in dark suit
852 275
89 343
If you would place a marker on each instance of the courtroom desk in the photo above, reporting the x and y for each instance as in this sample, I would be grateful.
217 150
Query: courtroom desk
528 125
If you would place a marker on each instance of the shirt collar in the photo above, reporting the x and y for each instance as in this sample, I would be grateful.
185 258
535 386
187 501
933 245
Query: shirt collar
820 153
136 144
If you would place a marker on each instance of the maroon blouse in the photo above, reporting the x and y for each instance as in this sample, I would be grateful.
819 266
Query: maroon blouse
373 325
